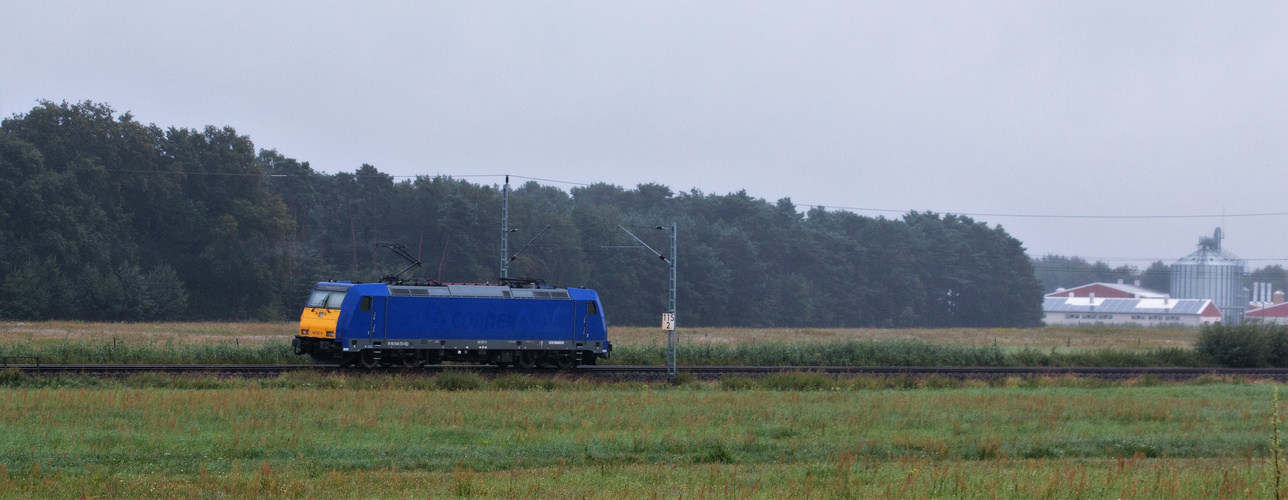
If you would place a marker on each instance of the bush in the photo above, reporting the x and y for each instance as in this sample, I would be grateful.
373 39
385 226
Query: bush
12 377
1245 346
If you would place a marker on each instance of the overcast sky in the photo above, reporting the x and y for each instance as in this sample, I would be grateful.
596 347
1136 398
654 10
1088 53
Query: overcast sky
1027 108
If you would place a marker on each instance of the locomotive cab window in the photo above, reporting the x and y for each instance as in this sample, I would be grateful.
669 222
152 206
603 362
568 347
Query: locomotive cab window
590 309
365 305
327 297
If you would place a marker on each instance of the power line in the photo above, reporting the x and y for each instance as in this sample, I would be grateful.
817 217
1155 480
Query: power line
267 174
551 180
1052 216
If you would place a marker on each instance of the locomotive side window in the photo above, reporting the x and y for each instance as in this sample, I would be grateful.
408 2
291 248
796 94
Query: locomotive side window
365 305
327 298
590 309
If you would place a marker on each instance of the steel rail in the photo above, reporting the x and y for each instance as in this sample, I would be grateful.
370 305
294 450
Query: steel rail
660 372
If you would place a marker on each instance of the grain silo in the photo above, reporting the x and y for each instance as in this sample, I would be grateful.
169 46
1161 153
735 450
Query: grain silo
1212 273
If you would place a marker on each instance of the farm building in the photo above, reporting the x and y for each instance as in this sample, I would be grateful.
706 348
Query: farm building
1148 311
1273 313
1108 290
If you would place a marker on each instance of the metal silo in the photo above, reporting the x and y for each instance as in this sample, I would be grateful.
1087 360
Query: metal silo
1212 273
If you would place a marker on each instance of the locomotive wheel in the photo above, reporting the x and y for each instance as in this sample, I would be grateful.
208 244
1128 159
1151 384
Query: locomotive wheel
567 361
527 360
410 359
368 359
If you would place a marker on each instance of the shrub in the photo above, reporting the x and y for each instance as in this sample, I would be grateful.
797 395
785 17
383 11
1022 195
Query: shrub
12 377
1245 345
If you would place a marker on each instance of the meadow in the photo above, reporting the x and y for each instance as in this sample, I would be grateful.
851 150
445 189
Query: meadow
1046 338
269 343
308 435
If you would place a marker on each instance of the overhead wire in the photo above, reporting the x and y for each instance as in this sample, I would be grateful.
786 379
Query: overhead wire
1056 215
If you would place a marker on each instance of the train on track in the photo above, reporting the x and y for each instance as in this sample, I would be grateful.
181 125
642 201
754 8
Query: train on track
518 322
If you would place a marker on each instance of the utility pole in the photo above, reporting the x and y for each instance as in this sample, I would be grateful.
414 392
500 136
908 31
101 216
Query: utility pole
670 337
668 319
506 258
505 228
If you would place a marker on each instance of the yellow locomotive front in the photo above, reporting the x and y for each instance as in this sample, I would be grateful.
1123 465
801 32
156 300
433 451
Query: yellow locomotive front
322 312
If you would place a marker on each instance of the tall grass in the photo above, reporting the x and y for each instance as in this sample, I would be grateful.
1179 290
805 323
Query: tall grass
895 353
167 351
804 353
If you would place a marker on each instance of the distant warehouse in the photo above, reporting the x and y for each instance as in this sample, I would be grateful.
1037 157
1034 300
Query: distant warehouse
1273 311
1277 314
1119 304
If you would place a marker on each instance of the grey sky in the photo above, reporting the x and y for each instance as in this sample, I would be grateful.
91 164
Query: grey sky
1103 108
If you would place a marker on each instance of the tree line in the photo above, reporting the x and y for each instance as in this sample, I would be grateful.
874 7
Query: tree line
105 218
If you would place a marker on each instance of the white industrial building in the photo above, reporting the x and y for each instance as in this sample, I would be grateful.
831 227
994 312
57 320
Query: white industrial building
1153 311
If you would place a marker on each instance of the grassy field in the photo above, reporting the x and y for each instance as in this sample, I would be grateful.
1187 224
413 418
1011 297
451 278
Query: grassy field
305 435
46 332
78 342
255 333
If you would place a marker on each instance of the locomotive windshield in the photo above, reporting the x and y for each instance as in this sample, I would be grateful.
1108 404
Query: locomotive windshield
327 297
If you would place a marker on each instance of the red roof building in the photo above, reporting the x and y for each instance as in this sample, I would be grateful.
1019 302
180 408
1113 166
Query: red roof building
1107 291
1277 313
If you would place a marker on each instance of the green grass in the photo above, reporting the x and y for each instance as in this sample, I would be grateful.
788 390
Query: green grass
896 353
306 434
843 477
802 353
254 343
162 351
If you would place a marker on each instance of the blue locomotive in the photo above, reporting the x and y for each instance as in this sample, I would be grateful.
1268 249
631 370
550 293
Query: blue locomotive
515 323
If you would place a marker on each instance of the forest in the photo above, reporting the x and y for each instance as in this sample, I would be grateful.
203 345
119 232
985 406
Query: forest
105 218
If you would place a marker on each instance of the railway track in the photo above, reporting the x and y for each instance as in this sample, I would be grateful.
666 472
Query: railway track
656 373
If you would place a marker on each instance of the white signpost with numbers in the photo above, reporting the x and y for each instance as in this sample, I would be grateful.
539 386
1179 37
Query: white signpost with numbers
668 319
